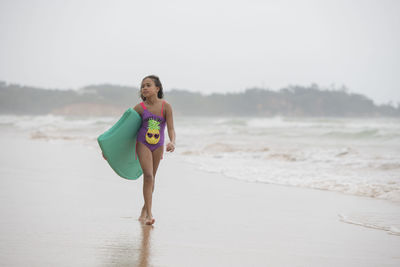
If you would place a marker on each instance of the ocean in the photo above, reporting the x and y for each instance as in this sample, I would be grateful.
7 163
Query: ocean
349 155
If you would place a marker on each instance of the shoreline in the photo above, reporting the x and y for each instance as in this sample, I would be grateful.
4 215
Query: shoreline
341 217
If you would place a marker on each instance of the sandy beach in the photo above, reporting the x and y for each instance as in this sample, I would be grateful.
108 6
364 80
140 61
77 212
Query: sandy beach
62 205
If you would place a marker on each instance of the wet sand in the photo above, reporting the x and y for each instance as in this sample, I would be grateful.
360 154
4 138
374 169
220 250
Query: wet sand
62 205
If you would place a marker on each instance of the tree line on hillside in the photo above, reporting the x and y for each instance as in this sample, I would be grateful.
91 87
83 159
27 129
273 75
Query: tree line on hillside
290 101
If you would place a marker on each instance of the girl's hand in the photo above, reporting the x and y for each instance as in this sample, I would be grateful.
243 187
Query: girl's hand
103 156
170 147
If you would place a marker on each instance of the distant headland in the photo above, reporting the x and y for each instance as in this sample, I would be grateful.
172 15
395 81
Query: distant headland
111 100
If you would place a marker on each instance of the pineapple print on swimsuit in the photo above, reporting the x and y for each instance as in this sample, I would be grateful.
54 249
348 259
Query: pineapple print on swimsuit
153 133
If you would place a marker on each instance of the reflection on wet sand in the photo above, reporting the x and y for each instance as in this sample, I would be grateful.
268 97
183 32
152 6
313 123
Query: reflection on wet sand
131 249
144 255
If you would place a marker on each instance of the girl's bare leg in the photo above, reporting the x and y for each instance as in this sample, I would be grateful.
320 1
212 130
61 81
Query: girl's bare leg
146 162
149 162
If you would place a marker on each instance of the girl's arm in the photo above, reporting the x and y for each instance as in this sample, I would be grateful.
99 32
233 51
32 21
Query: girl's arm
170 127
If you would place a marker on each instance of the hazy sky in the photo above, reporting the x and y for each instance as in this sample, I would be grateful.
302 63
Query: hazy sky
206 46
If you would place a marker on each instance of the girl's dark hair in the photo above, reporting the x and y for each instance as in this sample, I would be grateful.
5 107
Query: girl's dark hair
157 83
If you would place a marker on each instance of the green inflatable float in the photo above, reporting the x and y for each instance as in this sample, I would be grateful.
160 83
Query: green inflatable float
118 145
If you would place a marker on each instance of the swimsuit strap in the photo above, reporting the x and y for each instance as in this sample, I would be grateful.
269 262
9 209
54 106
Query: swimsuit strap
162 107
143 106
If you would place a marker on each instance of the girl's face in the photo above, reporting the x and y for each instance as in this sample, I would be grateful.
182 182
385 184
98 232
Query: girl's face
148 88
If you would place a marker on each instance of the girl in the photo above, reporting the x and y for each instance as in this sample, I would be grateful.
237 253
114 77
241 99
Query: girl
155 113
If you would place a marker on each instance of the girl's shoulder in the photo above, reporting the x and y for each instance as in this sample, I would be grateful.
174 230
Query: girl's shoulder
138 108
167 109
166 103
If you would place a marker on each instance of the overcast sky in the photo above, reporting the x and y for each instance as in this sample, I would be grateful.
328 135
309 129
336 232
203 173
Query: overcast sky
206 46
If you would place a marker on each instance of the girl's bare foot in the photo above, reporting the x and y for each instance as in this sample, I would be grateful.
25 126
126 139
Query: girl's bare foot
143 214
150 220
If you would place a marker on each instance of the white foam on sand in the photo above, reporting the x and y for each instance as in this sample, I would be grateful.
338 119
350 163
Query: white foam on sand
352 156
389 222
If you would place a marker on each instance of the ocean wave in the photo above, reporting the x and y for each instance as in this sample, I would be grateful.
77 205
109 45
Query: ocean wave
282 156
83 139
379 133
55 122
220 147
381 221
230 122
368 133
291 169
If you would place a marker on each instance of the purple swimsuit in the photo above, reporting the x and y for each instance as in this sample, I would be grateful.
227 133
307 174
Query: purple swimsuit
151 132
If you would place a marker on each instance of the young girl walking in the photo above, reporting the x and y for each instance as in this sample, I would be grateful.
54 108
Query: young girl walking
155 113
